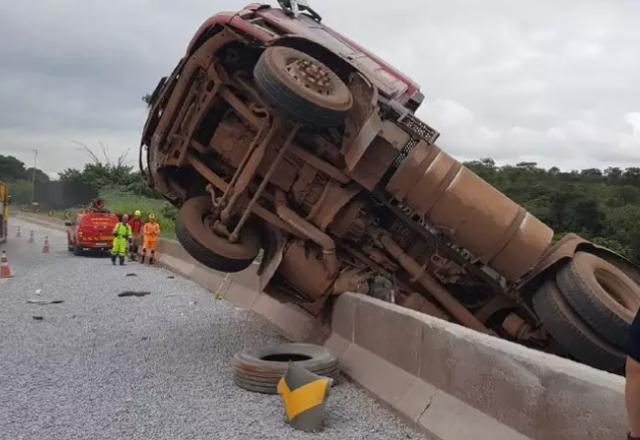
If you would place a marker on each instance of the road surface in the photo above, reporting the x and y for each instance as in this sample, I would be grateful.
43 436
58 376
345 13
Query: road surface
100 366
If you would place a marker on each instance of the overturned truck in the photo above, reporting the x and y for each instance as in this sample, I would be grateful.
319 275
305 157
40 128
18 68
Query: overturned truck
275 132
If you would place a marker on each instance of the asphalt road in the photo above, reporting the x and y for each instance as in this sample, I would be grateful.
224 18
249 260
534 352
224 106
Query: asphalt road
100 366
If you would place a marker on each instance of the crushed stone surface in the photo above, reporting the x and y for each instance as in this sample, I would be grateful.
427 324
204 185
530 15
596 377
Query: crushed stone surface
100 366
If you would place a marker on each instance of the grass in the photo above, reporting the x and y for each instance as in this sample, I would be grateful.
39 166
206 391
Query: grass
121 202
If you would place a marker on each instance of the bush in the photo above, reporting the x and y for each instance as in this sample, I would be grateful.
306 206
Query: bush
20 192
121 202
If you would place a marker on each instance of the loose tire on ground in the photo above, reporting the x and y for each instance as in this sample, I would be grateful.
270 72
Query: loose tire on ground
572 333
277 78
260 370
602 295
204 245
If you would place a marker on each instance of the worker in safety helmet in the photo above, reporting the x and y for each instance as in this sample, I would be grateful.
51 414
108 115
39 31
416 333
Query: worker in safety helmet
121 233
151 232
136 224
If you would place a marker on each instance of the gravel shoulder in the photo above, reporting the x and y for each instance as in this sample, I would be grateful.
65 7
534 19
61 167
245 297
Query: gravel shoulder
99 366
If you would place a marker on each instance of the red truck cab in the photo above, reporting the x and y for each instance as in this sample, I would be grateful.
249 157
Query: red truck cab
92 229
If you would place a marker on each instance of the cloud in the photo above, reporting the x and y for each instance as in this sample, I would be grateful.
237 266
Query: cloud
549 82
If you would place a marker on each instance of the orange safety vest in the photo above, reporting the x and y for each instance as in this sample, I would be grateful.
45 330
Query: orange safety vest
151 230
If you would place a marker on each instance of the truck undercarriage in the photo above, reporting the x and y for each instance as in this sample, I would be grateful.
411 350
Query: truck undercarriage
285 146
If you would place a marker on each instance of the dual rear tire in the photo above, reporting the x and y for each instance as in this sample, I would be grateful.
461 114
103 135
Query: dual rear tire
194 232
588 308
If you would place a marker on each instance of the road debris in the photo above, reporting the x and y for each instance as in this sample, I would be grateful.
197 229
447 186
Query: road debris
223 287
38 318
131 275
132 293
44 302
304 395
260 370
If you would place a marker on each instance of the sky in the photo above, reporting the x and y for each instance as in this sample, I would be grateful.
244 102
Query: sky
556 83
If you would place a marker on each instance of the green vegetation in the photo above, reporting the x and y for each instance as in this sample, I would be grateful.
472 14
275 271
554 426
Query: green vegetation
19 178
120 202
603 206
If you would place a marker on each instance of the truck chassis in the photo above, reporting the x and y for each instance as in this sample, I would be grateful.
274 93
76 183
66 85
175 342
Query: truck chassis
274 132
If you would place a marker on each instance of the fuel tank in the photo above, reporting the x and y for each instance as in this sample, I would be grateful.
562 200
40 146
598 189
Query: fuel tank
472 213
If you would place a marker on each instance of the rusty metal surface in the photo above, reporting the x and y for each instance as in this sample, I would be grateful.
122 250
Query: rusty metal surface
446 299
304 269
372 195
470 211
310 232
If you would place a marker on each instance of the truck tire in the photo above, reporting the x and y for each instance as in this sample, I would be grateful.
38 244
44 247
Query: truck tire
260 370
573 334
204 245
288 80
602 295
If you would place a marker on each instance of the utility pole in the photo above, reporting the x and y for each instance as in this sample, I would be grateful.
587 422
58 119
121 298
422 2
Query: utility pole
33 176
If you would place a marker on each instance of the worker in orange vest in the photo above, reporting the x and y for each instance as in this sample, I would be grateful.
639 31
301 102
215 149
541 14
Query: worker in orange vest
150 231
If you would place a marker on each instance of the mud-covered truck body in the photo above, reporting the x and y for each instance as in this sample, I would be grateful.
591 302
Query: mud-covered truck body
275 132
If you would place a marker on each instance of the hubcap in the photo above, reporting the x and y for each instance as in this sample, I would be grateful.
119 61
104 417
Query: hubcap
310 75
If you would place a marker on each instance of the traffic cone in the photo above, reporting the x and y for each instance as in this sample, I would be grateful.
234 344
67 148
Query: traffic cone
31 238
45 248
18 234
5 272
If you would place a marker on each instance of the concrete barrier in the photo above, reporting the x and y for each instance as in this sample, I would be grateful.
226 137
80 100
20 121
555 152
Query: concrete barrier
40 219
241 289
459 384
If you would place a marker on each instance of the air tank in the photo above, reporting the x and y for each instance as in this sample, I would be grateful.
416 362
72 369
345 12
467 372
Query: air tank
472 213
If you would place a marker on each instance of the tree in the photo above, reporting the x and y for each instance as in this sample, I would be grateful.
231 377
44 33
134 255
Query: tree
71 175
527 165
623 225
632 174
11 169
20 191
41 176
591 172
613 173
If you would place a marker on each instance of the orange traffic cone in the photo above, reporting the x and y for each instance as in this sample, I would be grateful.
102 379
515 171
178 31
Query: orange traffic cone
45 248
31 238
18 234
5 272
